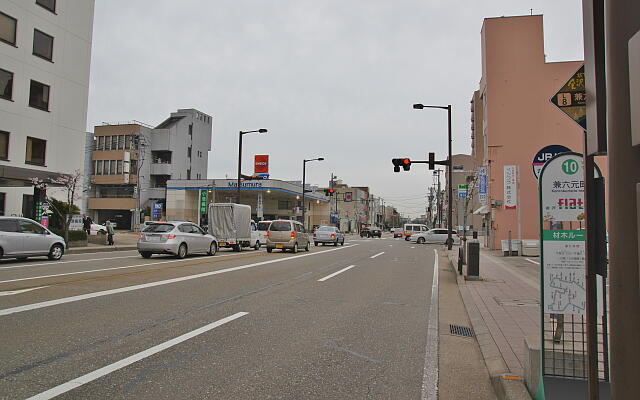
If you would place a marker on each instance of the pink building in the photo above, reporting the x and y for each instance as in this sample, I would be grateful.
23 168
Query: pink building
518 119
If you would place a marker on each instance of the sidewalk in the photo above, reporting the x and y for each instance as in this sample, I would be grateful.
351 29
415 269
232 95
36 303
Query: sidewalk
122 241
504 309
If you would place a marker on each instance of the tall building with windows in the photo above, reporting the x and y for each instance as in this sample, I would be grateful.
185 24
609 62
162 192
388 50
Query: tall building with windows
131 164
45 56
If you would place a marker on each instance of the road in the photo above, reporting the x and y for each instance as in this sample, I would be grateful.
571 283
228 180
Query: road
335 323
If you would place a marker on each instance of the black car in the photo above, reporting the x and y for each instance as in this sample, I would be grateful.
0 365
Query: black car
371 232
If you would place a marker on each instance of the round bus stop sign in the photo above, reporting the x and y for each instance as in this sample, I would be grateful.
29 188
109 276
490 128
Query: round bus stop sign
545 154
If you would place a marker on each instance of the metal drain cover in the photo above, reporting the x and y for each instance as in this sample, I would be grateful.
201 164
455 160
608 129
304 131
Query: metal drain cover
461 330
517 302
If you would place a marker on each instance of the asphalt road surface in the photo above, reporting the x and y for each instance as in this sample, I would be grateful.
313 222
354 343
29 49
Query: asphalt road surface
346 322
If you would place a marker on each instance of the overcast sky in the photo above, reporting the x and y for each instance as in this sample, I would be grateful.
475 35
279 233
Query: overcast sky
328 78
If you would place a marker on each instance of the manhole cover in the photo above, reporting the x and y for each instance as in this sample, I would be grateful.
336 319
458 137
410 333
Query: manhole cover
517 302
461 330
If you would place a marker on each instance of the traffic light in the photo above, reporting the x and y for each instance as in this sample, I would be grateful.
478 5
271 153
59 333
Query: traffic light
432 160
329 192
405 163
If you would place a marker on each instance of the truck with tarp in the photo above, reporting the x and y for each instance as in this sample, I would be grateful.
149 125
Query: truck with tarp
231 224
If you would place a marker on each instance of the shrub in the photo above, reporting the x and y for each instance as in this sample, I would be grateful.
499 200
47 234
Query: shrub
73 235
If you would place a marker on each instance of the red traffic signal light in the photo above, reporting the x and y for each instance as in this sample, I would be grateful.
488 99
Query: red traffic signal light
329 192
405 163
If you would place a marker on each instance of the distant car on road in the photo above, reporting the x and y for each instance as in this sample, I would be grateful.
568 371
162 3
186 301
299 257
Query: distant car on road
397 232
436 235
179 238
23 237
328 234
263 227
370 232
411 229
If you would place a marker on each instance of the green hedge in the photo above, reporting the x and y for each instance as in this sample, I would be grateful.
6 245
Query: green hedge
73 235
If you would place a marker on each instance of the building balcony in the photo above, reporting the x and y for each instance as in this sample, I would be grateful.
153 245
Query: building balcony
160 169
122 179
112 203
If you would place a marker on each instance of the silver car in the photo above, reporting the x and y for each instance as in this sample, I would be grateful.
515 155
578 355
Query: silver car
287 235
23 237
328 234
179 238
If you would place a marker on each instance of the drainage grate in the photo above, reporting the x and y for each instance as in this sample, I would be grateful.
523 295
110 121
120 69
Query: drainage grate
461 330
517 302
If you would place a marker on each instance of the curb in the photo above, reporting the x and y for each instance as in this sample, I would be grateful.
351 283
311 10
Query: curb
505 385
104 249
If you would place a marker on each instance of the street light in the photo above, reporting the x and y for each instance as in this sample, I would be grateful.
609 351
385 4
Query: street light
240 159
450 169
304 183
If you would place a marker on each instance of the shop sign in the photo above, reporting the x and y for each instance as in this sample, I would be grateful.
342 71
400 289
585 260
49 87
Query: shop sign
204 196
261 164
510 186
348 196
156 209
251 184
545 154
482 185
260 206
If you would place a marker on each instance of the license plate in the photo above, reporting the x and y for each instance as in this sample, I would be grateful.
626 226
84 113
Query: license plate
222 244
279 246
153 238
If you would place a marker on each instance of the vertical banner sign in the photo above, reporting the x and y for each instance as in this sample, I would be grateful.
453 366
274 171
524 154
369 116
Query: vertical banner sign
261 165
260 207
482 185
203 201
510 186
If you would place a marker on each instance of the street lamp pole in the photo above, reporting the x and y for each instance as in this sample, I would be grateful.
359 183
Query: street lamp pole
240 159
450 170
304 187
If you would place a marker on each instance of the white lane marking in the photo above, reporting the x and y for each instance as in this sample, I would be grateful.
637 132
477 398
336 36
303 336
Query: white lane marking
413 247
63 262
12 292
531 261
376 255
430 376
112 269
64 300
390 245
335 273
98 373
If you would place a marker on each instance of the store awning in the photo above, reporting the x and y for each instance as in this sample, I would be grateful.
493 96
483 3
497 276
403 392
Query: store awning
482 210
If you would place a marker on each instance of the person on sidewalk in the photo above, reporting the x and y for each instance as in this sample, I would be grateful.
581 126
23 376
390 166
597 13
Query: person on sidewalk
86 223
110 233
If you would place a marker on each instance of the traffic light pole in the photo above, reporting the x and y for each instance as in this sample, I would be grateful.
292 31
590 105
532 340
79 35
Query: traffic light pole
450 167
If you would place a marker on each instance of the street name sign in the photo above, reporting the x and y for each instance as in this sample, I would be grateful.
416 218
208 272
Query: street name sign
572 98
462 190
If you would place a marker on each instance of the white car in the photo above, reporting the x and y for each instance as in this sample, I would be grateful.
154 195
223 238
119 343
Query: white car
97 228
437 235
263 227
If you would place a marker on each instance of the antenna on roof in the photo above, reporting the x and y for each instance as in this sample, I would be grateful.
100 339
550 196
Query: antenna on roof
531 10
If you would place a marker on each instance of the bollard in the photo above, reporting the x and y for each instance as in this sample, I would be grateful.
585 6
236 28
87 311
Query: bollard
460 260
473 258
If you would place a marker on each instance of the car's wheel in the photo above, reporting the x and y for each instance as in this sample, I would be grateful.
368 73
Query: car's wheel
315 243
56 252
145 254
269 249
342 243
295 248
407 238
306 248
257 246
182 251
421 240
213 249
335 243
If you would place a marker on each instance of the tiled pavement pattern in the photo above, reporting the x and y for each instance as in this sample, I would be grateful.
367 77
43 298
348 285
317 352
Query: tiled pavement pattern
507 298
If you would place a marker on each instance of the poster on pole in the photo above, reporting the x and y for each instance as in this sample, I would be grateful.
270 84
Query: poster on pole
510 187
260 207
482 185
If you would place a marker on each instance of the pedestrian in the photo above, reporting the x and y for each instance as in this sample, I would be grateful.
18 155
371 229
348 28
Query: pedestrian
86 223
110 233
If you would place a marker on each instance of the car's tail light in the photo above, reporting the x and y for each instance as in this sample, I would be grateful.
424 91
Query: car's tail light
171 236
139 236
333 236
293 235
267 234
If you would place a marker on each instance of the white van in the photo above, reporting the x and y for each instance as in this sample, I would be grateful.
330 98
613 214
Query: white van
411 229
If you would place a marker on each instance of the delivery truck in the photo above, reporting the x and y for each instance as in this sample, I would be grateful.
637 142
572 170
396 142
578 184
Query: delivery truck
231 224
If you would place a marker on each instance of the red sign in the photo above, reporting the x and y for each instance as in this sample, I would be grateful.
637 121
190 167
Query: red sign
261 164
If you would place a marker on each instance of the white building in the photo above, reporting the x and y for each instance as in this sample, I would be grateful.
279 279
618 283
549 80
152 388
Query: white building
45 56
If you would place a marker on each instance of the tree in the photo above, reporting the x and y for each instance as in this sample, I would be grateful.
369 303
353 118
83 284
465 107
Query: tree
71 184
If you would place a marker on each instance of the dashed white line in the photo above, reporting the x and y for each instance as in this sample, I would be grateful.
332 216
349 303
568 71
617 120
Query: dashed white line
431 371
335 273
64 300
532 261
12 292
413 247
98 373
376 255
44 264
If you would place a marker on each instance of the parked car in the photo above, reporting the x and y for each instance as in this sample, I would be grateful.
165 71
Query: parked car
23 237
179 238
231 224
262 228
411 229
397 232
97 228
375 232
328 234
287 235
436 235
364 232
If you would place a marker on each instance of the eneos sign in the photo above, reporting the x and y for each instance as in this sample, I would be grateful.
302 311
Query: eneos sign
261 164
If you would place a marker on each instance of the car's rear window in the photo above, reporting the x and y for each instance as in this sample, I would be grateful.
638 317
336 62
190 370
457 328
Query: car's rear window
159 228
280 226
327 228
263 226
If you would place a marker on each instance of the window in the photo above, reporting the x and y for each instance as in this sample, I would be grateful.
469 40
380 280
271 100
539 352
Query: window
119 167
190 129
8 29
3 197
8 225
4 145
128 144
121 142
284 205
112 167
100 143
98 167
280 226
133 166
6 84
188 174
28 208
36 150
107 142
39 96
48 4
42 45
30 227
